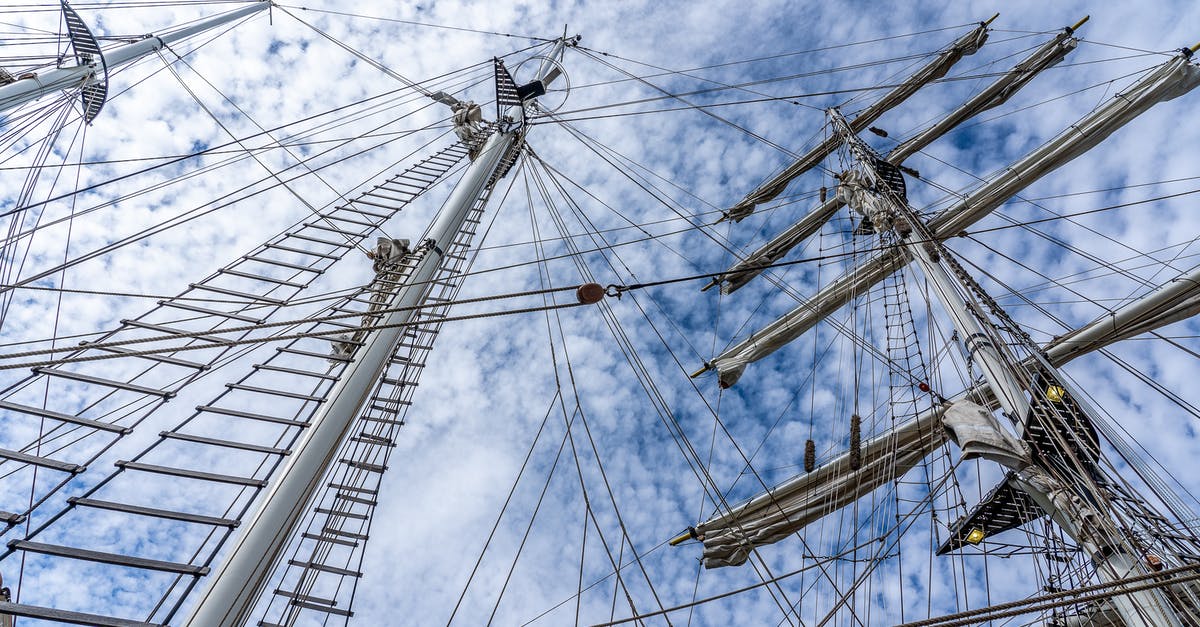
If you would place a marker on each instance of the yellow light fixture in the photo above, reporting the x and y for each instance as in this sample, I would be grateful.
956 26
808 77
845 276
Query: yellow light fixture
975 536
1055 393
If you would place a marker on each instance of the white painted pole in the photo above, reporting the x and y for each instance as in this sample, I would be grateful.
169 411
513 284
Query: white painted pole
234 585
1092 529
29 89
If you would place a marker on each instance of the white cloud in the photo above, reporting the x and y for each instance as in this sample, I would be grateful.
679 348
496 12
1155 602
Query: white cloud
490 381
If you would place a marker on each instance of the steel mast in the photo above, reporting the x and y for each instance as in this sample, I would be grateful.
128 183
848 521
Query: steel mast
234 586
1074 504
91 71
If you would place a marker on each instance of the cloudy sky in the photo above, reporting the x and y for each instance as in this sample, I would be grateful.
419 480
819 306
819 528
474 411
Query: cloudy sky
643 175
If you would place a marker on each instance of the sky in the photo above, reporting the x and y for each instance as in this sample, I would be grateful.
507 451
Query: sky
497 393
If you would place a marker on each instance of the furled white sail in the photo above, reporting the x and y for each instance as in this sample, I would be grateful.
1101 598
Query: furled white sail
1047 55
1171 302
935 69
1170 80
789 507
778 513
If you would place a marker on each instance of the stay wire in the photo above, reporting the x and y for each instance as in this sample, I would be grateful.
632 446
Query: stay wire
691 452
543 276
270 171
415 23
585 272
699 108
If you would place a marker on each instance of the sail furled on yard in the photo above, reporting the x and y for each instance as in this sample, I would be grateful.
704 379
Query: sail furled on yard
1046 56
1173 301
1169 80
935 69
778 513
794 504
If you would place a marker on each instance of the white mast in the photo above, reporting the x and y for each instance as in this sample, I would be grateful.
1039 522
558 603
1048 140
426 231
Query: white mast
84 74
794 504
1173 78
234 586
1077 516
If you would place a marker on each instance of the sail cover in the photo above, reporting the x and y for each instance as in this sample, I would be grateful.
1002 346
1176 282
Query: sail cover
768 190
1173 301
788 508
1048 55
1170 80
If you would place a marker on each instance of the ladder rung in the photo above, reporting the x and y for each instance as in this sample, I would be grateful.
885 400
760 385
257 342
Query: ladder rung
334 216
75 420
401 183
339 513
318 240
400 201
295 371
66 616
354 488
399 190
75 376
292 594
300 351
107 558
375 194
199 439
322 227
174 361
320 538
168 330
325 568
345 534
301 251
154 511
235 293
373 441
210 312
338 324
257 277
44 462
283 264
354 463
413 174
237 413
372 214
394 401
191 474
356 499
285 393
336 611
383 421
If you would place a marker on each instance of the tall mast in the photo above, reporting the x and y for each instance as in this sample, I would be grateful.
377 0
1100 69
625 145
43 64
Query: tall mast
1170 80
794 504
1074 503
90 71
234 586
996 94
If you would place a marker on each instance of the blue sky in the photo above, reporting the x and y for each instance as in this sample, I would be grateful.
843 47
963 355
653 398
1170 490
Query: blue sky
491 382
